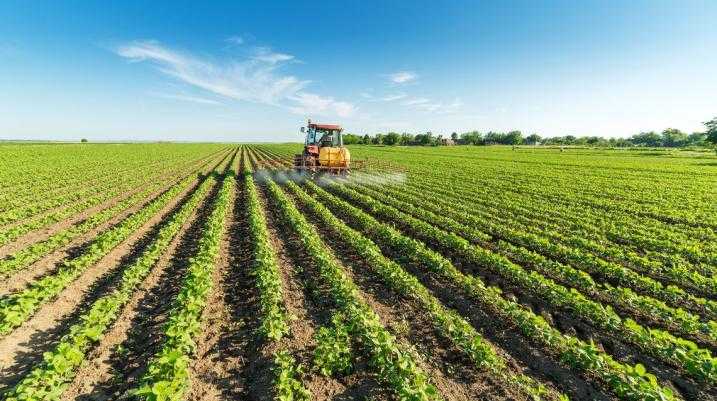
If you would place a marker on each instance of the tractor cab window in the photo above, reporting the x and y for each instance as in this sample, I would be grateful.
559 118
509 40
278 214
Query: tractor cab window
330 138
311 137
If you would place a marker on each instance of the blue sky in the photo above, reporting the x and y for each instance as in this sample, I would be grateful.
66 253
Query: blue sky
243 71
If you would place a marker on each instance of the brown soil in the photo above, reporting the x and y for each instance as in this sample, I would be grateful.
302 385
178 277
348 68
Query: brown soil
211 371
23 348
567 323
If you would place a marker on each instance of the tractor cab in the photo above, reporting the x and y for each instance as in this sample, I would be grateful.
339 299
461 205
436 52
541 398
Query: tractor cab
323 135
323 149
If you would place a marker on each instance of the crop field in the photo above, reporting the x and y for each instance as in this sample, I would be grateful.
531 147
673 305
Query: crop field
214 272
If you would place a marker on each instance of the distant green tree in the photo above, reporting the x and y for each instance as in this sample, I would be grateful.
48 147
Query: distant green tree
513 138
366 139
392 138
83 140
673 138
491 138
533 139
651 139
406 139
351 139
711 131
454 137
471 138
596 141
696 139
377 139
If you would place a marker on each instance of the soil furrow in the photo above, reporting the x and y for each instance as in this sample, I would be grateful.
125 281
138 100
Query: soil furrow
455 375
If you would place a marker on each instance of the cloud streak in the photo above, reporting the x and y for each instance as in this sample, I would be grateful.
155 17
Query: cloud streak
310 103
403 77
387 98
256 79
186 98
426 104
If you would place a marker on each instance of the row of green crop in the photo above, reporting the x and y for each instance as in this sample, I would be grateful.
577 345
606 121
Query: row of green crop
49 379
437 180
168 372
32 204
275 322
55 168
447 321
28 255
394 365
558 183
693 360
676 201
626 381
23 199
60 174
664 254
526 194
17 307
444 215
275 319
606 271
11 233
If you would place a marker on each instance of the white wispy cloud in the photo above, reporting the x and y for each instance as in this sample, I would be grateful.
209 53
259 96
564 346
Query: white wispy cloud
256 79
310 103
186 98
265 54
415 101
393 98
387 98
236 40
402 77
426 104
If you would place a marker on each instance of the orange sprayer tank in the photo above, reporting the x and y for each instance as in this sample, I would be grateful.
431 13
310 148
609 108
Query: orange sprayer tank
334 157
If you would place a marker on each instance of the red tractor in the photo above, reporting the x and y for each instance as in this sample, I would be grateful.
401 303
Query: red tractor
324 150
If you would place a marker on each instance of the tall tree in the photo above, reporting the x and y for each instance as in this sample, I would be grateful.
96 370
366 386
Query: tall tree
712 130
392 138
673 138
533 139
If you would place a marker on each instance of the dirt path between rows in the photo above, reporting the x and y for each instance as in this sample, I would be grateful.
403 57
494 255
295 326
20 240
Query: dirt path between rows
211 370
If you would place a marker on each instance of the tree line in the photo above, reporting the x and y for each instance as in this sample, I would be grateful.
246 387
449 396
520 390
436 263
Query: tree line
669 138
